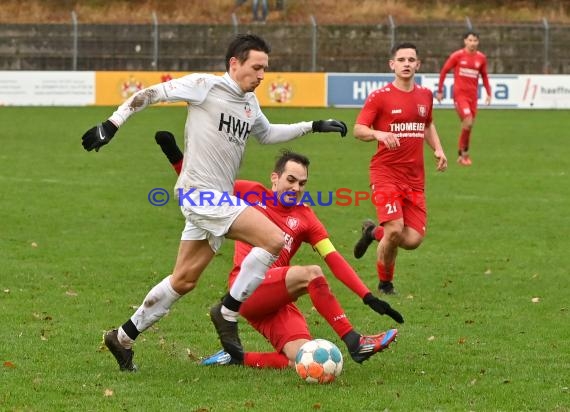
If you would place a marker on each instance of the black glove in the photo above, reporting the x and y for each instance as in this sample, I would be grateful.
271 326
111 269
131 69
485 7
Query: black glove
330 125
98 136
382 307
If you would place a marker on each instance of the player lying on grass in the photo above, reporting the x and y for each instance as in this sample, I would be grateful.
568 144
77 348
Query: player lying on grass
271 309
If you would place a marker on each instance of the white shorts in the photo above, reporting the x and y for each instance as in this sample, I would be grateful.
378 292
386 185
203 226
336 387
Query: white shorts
209 214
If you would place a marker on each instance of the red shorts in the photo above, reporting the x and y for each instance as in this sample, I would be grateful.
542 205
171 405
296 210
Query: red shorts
400 202
271 311
465 107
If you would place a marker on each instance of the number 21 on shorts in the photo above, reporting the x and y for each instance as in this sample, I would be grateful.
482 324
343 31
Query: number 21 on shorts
391 208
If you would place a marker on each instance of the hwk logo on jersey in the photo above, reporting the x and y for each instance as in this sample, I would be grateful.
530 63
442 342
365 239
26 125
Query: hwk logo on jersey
292 222
422 110
237 129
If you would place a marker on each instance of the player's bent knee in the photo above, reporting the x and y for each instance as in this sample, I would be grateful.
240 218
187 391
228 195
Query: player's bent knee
313 272
393 237
411 243
183 283
411 246
274 243
299 277
291 348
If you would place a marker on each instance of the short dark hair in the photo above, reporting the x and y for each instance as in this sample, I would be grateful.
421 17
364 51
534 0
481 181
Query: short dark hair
289 156
242 44
405 45
470 33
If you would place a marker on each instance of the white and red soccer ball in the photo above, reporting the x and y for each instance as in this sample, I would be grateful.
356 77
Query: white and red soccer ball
318 361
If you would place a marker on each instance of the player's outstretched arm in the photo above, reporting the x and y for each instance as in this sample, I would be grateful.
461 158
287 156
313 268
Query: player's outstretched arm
342 270
268 133
100 135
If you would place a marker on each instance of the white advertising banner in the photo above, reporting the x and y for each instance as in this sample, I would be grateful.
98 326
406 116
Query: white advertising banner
76 88
544 92
512 91
36 88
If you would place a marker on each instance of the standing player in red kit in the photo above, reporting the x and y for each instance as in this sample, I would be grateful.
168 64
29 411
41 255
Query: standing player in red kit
399 118
467 64
271 309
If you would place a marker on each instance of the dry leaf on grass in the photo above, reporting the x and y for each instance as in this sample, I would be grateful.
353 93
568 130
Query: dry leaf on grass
191 354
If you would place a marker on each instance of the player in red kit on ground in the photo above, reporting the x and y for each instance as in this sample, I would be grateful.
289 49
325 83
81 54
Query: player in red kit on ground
399 118
467 64
271 309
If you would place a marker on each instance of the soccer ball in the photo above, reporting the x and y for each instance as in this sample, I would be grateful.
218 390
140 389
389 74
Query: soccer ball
318 361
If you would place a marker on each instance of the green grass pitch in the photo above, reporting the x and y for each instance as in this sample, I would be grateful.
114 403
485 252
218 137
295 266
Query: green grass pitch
80 246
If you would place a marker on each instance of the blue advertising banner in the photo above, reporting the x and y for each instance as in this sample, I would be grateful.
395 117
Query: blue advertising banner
504 90
351 90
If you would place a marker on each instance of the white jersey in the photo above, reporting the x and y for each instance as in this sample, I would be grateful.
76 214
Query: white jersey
220 119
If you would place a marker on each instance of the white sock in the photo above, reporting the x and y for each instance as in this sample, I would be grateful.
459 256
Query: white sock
229 315
155 305
124 339
253 269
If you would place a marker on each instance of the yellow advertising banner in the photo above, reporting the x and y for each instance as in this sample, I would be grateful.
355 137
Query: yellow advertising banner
281 89
113 88
284 89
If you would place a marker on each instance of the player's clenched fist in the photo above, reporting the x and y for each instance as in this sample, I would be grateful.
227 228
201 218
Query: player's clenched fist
330 125
98 136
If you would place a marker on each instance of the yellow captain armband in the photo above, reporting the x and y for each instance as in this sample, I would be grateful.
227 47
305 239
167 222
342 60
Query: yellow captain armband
324 247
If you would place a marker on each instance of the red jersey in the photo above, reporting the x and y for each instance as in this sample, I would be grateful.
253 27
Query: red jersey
299 223
407 115
467 68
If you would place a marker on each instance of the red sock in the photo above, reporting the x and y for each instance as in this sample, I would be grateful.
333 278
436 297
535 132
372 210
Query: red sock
385 274
327 305
464 140
177 166
378 233
265 360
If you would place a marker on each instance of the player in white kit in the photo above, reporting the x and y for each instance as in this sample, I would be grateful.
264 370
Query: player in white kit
223 112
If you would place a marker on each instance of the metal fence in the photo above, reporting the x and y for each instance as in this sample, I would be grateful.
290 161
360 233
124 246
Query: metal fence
514 48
